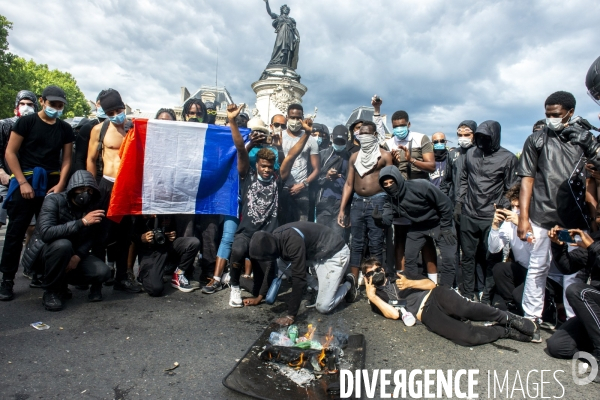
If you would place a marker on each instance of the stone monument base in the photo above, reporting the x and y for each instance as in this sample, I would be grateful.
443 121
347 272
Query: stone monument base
276 90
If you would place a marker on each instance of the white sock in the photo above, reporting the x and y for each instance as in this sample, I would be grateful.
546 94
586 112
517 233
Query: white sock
217 278
433 277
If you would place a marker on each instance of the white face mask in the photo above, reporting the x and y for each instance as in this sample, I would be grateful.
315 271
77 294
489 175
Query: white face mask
25 110
555 124
516 210
294 125
465 143
277 131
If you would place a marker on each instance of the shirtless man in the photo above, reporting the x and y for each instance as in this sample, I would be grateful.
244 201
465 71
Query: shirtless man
106 150
363 180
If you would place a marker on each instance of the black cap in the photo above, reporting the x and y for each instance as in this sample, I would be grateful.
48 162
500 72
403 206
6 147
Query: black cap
111 100
210 105
54 93
472 125
340 132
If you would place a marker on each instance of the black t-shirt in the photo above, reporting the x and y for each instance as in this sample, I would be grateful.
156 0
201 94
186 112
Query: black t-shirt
260 203
558 168
42 143
413 297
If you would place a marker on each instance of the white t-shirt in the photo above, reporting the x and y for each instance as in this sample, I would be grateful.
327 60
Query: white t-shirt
299 171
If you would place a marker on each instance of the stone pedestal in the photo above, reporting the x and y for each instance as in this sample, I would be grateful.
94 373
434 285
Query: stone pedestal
276 90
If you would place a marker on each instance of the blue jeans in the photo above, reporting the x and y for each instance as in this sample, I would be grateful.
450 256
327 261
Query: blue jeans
230 225
363 226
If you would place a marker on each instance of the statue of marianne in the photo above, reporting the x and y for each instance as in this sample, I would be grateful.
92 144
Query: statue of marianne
287 43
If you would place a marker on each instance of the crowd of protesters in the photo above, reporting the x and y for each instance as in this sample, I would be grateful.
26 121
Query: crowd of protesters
471 232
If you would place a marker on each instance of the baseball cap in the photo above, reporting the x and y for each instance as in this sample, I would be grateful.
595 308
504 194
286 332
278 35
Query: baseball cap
54 93
340 133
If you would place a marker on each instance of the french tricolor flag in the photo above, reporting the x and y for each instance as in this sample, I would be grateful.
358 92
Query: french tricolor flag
173 167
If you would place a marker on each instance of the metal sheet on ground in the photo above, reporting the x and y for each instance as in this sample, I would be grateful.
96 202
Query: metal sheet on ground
254 377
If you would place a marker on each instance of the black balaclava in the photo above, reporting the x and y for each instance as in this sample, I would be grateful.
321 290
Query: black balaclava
263 246
440 155
485 143
211 112
397 189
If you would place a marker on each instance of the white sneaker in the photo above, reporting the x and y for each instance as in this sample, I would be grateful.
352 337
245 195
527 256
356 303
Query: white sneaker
235 297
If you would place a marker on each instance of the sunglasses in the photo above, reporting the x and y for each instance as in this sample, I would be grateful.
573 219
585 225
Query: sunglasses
439 141
371 273
277 125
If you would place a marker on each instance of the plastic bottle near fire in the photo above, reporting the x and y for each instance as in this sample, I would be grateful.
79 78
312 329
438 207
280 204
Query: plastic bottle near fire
407 317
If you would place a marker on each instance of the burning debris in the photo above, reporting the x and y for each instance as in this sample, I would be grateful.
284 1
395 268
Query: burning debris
304 354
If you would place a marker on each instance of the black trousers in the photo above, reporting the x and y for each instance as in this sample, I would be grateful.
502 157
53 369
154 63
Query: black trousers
206 229
474 236
416 240
264 271
20 212
153 261
293 208
114 238
509 278
445 308
582 332
56 256
328 209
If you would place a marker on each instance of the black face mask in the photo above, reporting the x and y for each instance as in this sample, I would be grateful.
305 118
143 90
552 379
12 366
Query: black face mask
393 188
211 119
82 199
440 155
484 143
194 119
378 278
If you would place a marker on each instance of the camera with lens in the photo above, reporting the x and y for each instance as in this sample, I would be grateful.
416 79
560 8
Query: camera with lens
159 235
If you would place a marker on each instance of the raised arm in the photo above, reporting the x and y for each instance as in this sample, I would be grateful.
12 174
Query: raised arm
288 162
272 14
242 154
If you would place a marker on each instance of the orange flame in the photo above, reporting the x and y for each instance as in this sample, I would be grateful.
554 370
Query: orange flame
299 364
328 338
321 358
310 332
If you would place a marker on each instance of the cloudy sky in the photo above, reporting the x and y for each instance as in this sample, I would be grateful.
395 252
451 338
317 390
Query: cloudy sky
441 61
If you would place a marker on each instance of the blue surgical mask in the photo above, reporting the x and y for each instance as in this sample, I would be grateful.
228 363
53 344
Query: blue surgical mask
118 119
439 146
52 112
319 140
401 132
260 178
100 113
338 147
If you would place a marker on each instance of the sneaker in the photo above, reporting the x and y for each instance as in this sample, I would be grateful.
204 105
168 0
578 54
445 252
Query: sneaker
6 290
522 324
194 284
547 325
130 275
95 294
353 291
36 282
235 297
127 286
512 333
536 338
28 274
180 282
52 301
212 287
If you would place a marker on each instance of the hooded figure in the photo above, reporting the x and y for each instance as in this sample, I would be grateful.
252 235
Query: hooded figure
62 236
430 212
451 180
489 171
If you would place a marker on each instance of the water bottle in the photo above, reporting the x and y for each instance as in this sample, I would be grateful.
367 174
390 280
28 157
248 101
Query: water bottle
407 317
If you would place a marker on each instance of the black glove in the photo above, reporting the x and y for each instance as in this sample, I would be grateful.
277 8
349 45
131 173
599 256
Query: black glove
457 213
582 137
377 217
449 236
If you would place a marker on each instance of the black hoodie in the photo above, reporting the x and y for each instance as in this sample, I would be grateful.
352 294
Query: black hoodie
418 200
485 178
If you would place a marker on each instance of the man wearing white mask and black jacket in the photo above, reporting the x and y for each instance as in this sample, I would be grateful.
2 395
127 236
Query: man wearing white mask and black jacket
37 142
553 191
25 104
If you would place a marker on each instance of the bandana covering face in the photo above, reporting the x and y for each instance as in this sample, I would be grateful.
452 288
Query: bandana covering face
368 155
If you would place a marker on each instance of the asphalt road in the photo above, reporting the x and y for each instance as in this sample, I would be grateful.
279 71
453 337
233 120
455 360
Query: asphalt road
120 348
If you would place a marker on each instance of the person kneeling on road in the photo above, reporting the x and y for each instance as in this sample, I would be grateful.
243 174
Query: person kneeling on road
156 240
300 243
440 309
65 231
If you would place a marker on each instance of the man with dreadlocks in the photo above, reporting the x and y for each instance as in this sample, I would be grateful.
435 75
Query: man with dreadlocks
166 114
194 110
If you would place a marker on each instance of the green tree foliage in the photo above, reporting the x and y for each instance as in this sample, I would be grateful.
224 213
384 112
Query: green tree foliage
17 74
